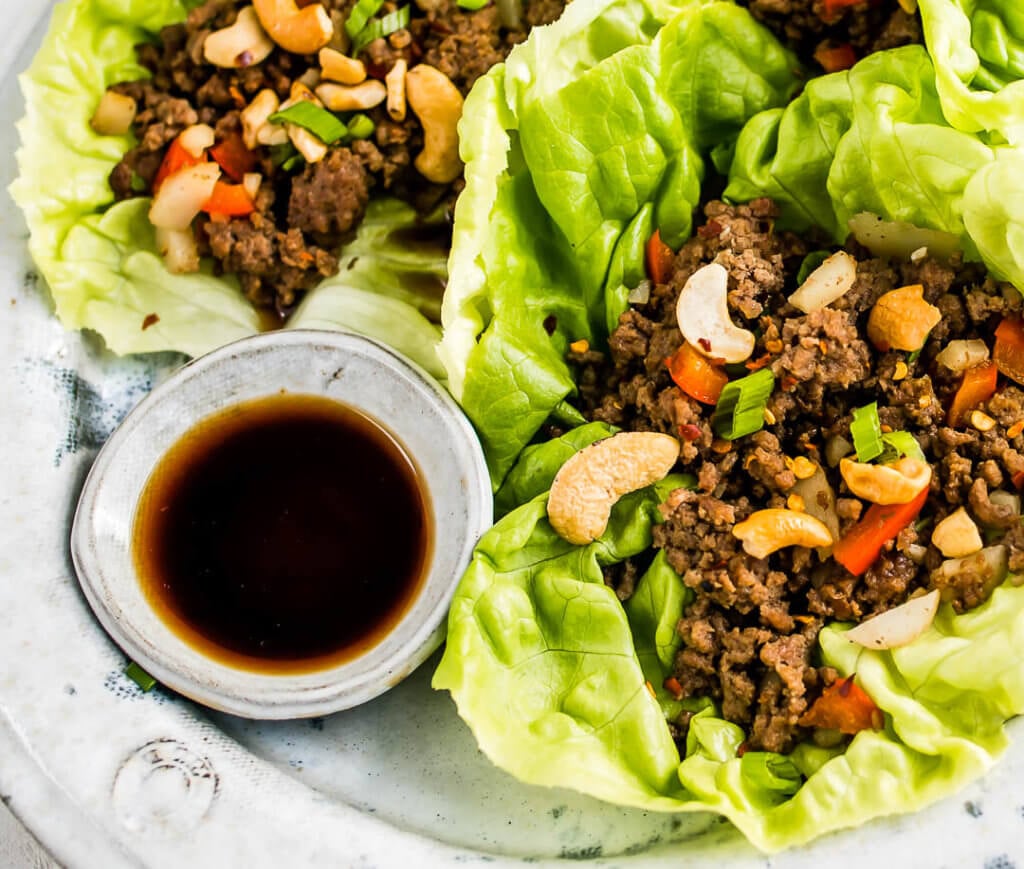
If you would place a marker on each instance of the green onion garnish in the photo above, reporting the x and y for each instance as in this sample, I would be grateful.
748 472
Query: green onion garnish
361 13
139 676
810 262
377 28
280 154
293 162
740 408
866 430
360 126
898 444
913 357
471 5
320 122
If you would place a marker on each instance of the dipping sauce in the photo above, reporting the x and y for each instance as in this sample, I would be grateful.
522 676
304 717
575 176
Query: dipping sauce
284 535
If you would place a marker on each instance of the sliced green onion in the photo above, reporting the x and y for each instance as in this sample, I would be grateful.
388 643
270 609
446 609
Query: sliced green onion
140 677
361 13
378 28
320 122
740 408
471 5
899 444
810 262
281 154
913 357
360 126
866 430
293 162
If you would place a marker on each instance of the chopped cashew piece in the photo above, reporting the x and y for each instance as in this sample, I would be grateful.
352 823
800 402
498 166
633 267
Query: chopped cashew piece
339 67
957 535
351 98
893 483
114 114
588 485
901 320
255 117
828 282
899 626
244 43
438 105
302 31
767 531
395 81
703 316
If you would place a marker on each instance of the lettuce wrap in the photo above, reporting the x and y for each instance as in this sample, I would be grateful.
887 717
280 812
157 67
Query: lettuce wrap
100 260
559 681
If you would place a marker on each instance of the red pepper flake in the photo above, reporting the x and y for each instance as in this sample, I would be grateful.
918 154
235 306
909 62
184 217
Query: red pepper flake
711 229
705 344
150 320
689 432
742 750
244 59
671 684
758 364
789 382
1018 480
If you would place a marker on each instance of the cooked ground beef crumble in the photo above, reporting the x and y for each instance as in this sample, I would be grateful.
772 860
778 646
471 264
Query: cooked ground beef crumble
749 632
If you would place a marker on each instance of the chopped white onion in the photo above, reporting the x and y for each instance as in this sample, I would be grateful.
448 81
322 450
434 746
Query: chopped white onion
179 250
114 114
251 181
1002 498
898 626
961 354
182 196
820 502
640 294
197 138
510 12
828 282
889 238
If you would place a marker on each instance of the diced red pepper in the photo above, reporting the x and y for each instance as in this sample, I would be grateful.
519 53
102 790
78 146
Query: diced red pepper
1009 348
659 257
696 375
846 707
176 159
977 387
834 58
229 200
671 684
234 158
860 547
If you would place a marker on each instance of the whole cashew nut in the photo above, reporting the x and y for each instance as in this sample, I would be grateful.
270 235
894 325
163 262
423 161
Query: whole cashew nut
587 486
301 31
894 483
438 105
351 98
957 535
767 531
702 312
244 43
901 320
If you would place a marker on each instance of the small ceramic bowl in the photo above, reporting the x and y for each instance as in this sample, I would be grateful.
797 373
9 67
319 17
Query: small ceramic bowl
353 370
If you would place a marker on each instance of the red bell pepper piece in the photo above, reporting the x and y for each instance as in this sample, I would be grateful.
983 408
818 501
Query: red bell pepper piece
860 547
229 200
176 159
1009 348
659 257
696 375
835 58
977 387
846 707
234 158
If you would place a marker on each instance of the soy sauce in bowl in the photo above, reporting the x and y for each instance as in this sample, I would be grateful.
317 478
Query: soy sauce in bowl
285 534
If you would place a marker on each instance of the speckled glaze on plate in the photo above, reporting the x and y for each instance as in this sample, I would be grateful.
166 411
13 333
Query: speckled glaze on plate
108 776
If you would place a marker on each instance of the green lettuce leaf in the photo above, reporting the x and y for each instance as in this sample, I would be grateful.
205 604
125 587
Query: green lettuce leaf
978 49
549 671
100 260
549 240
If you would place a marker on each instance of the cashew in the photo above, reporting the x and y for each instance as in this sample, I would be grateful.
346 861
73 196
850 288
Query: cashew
703 316
767 531
957 535
244 43
395 81
901 320
336 66
301 31
351 98
114 114
438 105
894 483
255 117
587 486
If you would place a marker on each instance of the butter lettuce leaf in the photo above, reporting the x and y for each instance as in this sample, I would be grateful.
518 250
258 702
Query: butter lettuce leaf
549 239
100 260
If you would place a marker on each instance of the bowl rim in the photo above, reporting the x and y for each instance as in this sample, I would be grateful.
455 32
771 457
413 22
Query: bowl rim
129 618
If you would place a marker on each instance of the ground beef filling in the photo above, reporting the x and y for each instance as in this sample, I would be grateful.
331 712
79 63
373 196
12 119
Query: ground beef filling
304 213
749 633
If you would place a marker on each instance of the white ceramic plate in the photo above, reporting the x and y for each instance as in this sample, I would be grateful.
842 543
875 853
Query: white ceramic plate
108 776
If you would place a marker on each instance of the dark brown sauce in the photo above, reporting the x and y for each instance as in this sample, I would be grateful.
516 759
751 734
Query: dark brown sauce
286 534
